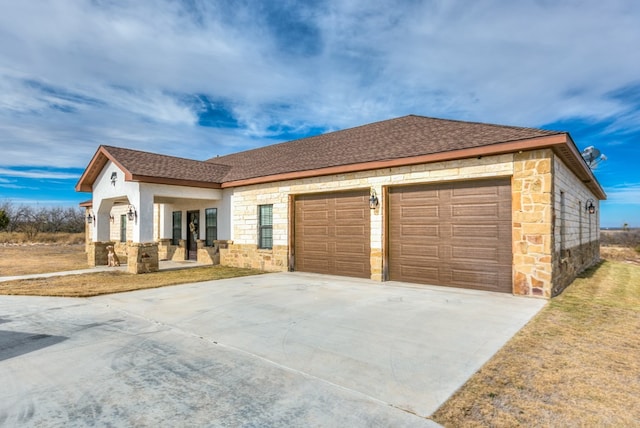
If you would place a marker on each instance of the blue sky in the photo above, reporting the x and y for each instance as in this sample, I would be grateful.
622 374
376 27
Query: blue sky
196 78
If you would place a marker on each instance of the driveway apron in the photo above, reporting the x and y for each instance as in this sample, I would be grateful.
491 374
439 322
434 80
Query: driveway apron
282 349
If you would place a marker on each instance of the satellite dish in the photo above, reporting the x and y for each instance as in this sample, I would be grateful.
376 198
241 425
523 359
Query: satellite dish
593 157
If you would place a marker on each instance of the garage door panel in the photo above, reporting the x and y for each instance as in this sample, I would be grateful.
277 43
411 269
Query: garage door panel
467 243
474 279
320 231
350 249
420 250
332 233
420 196
474 253
426 274
420 231
420 212
344 232
475 191
475 211
466 231
351 215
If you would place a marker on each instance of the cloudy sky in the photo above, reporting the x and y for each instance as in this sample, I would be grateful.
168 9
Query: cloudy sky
198 78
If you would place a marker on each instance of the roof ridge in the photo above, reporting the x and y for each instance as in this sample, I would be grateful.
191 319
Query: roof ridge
473 122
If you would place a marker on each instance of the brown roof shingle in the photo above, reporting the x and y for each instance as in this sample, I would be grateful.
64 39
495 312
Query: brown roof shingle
398 138
145 164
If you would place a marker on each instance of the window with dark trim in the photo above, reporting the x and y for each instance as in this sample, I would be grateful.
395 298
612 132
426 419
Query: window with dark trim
176 227
211 226
123 228
265 226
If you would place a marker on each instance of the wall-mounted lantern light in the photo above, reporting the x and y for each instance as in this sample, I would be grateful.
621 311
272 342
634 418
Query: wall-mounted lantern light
114 177
90 217
131 213
111 218
589 207
373 200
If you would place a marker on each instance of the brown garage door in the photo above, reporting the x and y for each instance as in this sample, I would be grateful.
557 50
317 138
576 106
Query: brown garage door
454 234
332 234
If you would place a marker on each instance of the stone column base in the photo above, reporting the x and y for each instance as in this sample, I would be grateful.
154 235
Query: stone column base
143 257
97 253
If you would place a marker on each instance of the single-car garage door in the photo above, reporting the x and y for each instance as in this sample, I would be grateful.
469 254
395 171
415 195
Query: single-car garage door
332 234
455 234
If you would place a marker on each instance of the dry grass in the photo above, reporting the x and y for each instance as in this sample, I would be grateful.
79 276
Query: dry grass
30 259
576 364
42 238
94 284
39 258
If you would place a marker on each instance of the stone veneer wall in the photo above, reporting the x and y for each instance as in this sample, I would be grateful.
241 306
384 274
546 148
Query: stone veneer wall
208 255
576 232
532 190
97 254
249 256
143 258
243 252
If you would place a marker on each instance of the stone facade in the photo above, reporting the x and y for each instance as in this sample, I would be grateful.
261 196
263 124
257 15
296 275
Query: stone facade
208 255
249 256
532 217
97 254
247 199
143 258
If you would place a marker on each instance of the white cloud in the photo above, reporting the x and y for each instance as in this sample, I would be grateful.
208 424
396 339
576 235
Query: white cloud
37 174
625 194
117 73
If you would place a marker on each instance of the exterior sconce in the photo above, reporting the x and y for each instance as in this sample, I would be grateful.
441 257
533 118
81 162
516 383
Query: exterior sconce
131 213
589 207
373 200
111 218
114 177
90 217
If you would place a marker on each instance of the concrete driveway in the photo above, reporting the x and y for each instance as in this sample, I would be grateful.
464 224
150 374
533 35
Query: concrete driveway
284 349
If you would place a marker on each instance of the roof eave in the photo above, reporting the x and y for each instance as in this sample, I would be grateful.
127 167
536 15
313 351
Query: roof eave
561 143
97 163
174 181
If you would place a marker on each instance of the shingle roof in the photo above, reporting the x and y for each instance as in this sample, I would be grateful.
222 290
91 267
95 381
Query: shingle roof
398 138
401 141
147 164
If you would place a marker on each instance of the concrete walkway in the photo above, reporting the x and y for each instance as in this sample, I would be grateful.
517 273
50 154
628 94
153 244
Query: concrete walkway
273 350
163 265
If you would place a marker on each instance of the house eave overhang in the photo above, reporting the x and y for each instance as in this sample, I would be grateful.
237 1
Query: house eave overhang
561 144
102 156
172 181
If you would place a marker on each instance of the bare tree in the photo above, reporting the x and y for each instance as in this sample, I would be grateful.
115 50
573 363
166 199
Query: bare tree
4 220
33 220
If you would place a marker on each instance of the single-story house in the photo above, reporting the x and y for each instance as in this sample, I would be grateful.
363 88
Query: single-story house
414 199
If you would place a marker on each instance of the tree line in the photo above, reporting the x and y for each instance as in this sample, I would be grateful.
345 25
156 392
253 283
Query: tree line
34 220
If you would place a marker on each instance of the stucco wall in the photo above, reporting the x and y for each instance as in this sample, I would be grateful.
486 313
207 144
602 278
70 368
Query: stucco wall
576 232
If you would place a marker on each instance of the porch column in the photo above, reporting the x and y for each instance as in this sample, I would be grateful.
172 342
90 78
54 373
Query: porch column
143 221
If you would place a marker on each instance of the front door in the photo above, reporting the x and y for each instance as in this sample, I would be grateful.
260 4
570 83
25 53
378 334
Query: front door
193 234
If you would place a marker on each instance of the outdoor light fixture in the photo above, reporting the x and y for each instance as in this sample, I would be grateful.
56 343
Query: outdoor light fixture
90 217
373 200
589 207
114 177
111 217
131 213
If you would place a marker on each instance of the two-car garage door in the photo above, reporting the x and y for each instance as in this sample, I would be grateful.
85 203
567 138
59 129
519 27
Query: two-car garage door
454 234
